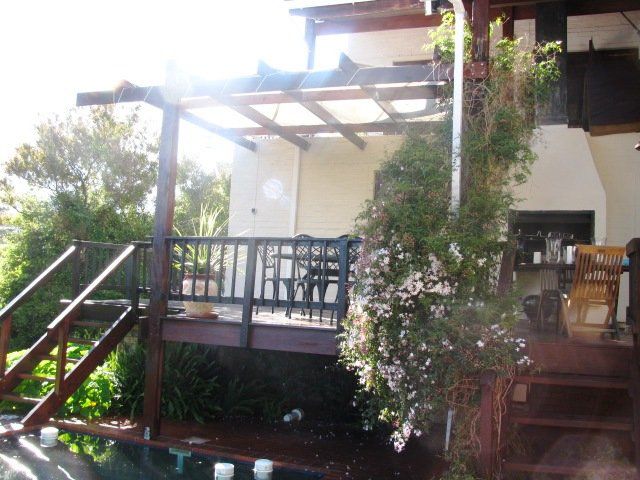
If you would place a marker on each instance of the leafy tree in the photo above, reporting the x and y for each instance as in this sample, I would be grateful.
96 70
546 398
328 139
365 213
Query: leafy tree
89 158
88 177
197 187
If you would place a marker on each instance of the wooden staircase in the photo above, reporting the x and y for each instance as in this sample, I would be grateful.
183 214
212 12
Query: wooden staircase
573 423
80 323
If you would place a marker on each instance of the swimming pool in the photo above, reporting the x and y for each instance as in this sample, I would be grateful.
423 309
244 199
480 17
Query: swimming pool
88 457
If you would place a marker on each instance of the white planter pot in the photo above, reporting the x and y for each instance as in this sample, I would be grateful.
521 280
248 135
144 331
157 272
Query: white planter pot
199 309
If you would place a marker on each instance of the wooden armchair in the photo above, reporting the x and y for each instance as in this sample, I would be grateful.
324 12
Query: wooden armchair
591 305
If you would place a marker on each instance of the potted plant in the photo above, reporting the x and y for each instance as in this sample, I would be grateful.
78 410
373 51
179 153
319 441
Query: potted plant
198 265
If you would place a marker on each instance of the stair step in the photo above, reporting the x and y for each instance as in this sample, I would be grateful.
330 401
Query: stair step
563 421
81 341
575 381
91 324
37 378
53 358
604 470
12 397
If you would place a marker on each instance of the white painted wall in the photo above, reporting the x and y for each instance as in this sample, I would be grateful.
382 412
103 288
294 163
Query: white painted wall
262 181
564 177
335 179
608 30
385 47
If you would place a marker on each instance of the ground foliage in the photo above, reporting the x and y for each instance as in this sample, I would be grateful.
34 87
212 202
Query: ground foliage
92 399
205 383
425 319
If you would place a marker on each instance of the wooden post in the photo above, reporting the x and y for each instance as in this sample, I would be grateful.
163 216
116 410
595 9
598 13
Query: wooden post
479 53
343 279
75 269
487 444
551 26
61 357
310 40
249 287
5 336
163 225
133 280
509 23
480 39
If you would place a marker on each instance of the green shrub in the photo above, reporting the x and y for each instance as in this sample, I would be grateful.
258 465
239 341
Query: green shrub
91 400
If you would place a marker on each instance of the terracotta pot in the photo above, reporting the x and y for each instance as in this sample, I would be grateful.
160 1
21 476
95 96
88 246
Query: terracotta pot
199 309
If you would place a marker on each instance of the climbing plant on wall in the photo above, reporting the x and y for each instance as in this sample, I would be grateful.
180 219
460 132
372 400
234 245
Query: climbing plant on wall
425 319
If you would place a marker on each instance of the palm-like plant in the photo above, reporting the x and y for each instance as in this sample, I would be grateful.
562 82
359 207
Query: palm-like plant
202 257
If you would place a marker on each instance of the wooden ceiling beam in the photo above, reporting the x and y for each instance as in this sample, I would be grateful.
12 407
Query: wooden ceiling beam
386 93
351 68
523 10
379 127
360 25
357 9
153 96
317 109
433 74
264 121
326 116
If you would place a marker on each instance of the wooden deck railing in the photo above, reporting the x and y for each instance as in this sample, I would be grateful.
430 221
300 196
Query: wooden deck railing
309 274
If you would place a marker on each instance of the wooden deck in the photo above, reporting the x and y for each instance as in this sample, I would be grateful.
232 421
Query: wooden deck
270 331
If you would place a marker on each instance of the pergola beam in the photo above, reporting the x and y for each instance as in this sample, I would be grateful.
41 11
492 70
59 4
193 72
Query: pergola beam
264 121
434 74
377 127
344 130
351 68
155 96
418 92
318 110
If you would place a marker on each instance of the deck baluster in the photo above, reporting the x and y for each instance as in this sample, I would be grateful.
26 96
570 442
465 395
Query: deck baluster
236 247
207 270
221 269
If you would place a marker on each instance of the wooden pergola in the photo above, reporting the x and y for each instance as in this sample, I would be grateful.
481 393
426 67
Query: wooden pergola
317 92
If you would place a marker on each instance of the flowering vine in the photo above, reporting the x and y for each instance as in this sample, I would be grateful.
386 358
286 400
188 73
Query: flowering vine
425 320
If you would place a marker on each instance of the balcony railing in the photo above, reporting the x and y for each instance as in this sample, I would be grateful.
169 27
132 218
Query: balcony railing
305 274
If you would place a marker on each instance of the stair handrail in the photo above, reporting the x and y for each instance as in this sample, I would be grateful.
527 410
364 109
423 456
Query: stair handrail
6 314
40 280
92 287
60 325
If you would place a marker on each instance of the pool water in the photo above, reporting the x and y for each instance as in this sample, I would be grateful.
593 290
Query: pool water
87 457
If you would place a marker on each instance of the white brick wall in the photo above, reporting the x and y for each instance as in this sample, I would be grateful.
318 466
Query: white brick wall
385 47
261 180
335 180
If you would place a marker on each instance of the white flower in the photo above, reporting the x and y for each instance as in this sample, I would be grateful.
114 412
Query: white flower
480 343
